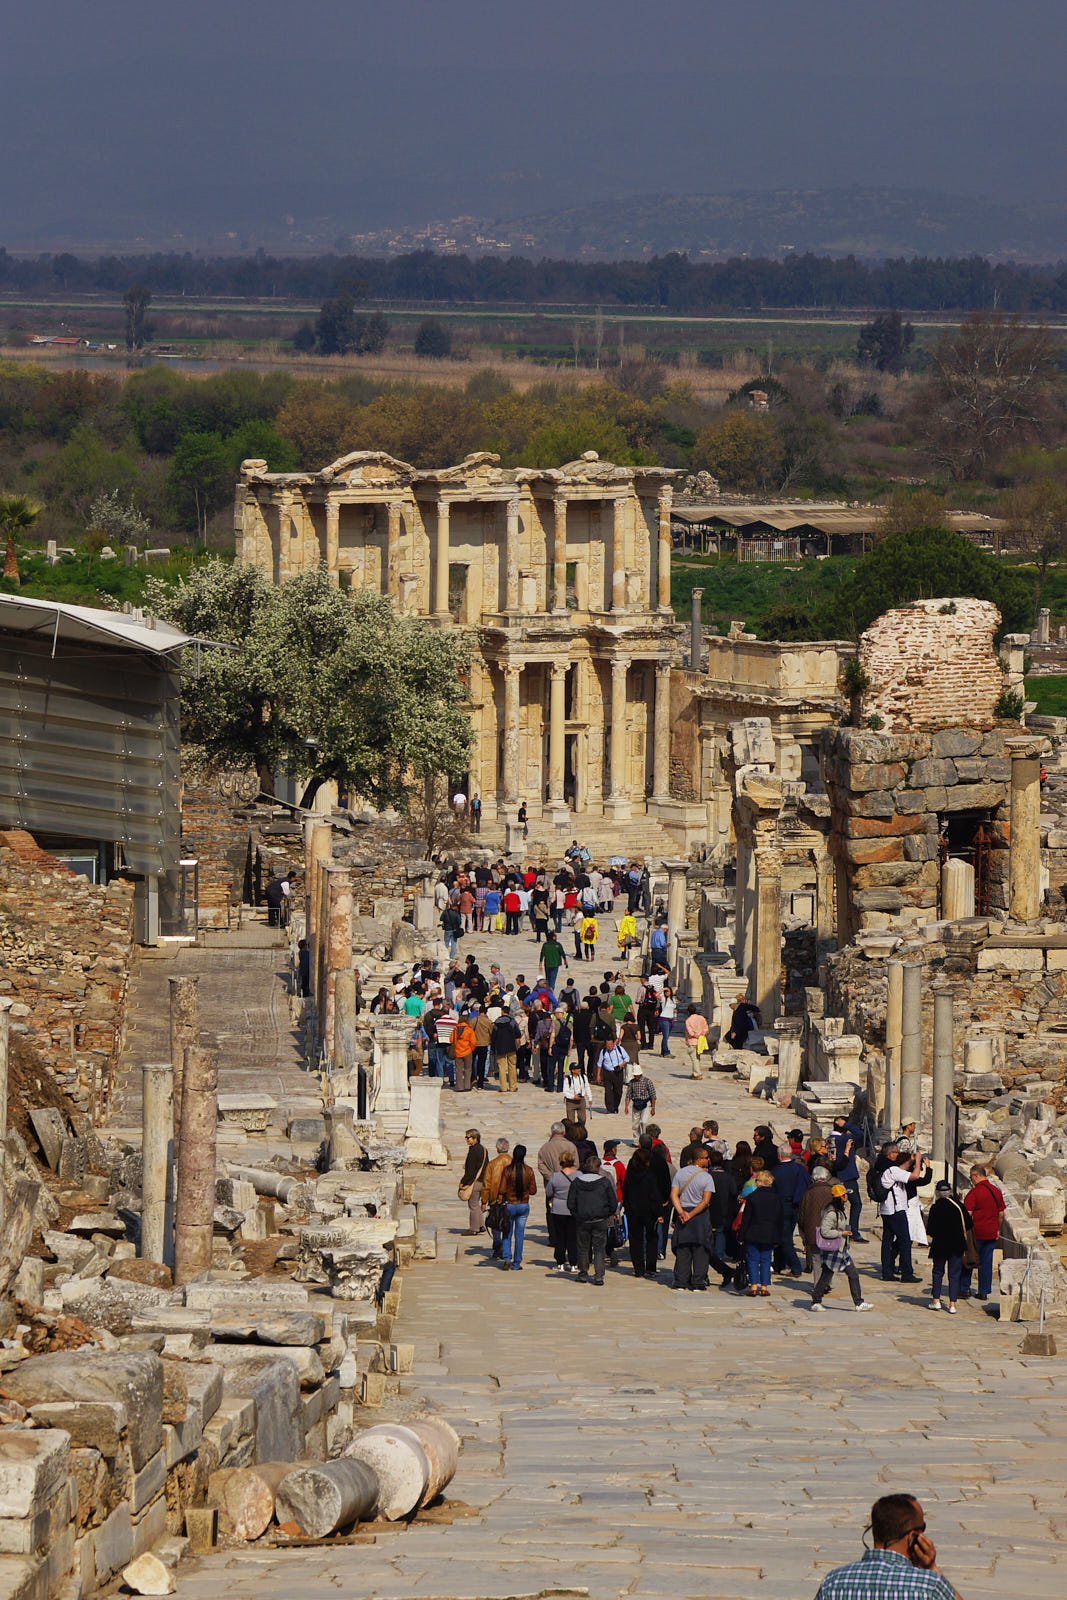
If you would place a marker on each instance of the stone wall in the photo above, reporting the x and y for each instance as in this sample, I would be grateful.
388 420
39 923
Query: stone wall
65 948
889 795
932 664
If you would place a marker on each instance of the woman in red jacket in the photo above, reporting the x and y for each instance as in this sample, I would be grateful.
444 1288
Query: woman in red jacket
984 1204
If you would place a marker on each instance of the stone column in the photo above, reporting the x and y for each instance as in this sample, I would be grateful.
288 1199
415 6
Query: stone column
285 533
944 1052
825 906
617 804
790 1056
5 1046
911 1043
333 515
511 557
559 555
338 941
743 894
556 739
195 1203
1024 903
392 1097
318 845
765 983
696 631
661 749
676 880
184 1033
511 733
392 562
1041 631
157 1156
664 584
957 890
344 1021
618 556
893 1026
440 604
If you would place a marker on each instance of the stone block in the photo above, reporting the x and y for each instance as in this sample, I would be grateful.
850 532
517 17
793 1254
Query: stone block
50 1129
931 774
864 776
887 874
274 1385
307 1130
202 1528
283 1327
1004 959
27 1536
214 1297
878 900
882 827
305 1360
149 1527
181 1440
150 1481
921 847
22 1578
131 1379
877 803
955 742
112 1543
1056 960
33 1468
861 852
74 1160
973 796
92 1424
28 1287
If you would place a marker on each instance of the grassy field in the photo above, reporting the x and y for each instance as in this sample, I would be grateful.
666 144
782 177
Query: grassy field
1050 695
747 591
85 580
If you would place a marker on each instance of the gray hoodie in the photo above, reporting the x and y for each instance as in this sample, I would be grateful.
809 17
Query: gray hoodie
592 1197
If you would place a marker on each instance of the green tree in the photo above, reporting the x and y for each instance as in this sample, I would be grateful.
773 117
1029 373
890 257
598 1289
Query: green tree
136 301
261 441
17 513
201 479
885 341
119 521
339 328
743 449
332 685
1039 512
923 564
433 339
904 512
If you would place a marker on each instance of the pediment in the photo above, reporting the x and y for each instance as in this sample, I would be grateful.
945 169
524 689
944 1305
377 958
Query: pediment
367 467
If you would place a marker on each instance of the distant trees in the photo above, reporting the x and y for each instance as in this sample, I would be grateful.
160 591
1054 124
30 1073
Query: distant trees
433 339
885 341
340 330
988 391
136 301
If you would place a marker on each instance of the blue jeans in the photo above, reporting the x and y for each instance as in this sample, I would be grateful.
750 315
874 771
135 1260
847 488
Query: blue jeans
758 1257
855 1204
955 1273
557 920
985 1248
433 1061
451 942
664 1026
513 1242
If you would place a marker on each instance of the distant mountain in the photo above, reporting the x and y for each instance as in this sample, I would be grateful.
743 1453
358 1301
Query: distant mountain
869 222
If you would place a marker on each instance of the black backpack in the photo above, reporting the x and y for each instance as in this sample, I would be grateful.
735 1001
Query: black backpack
875 1189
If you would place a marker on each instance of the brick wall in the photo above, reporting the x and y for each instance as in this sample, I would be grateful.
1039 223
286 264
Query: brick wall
932 664
65 948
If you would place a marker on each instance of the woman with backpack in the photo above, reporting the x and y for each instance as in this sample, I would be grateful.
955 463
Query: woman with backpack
831 1247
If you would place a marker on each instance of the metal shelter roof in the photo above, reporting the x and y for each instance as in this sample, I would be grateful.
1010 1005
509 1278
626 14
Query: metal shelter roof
21 614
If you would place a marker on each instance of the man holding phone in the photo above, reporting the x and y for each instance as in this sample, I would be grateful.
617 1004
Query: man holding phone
902 1565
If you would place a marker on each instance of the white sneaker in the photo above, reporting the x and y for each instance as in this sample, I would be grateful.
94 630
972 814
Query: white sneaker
935 1305
816 1305
865 1305
561 1267
952 1311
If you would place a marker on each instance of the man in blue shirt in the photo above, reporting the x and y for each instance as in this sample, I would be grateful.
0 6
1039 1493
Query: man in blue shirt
847 1140
902 1565
791 1180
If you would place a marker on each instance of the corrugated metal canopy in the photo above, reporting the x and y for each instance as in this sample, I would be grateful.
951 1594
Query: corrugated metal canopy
89 728
21 614
785 518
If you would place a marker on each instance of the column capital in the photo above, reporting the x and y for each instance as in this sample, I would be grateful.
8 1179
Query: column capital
558 669
512 668
665 496
559 504
514 505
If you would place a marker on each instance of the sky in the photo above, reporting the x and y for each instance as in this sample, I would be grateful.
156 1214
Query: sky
120 118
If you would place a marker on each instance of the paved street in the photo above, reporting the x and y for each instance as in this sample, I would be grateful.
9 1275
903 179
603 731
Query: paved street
633 1441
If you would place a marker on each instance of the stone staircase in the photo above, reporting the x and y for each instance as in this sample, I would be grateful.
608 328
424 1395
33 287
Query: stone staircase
640 839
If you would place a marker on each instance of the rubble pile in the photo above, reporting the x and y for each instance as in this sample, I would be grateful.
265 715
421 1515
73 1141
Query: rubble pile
64 955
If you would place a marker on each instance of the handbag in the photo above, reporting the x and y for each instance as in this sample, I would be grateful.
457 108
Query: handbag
498 1219
465 1190
828 1245
970 1252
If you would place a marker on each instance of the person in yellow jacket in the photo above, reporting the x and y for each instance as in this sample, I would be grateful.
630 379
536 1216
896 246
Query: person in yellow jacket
589 936
627 932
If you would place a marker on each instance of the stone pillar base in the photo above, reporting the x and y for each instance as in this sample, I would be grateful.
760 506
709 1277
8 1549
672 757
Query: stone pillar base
618 810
